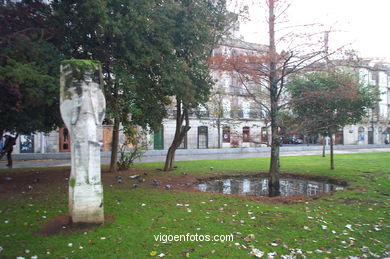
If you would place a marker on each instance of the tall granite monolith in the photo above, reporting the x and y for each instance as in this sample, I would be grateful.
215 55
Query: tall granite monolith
82 107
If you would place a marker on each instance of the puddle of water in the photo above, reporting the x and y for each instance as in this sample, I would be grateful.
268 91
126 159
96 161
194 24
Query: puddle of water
259 187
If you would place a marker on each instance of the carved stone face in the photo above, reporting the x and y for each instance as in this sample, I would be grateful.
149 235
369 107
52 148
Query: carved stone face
74 92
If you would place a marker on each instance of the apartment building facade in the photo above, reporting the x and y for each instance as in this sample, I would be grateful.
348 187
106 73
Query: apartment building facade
231 118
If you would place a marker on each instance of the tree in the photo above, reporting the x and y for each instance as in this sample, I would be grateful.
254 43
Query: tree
129 38
324 102
216 111
199 26
264 75
29 99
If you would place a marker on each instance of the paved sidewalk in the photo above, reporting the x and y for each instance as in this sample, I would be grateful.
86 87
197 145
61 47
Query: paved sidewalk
63 159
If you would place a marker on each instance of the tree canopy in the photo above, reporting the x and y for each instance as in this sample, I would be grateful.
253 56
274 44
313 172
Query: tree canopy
128 38
199 25
326 102
150 50
29 68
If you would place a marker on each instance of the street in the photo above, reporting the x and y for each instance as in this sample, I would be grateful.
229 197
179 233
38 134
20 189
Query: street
206 154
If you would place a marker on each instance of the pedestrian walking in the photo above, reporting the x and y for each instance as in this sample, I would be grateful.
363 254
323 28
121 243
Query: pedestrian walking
8 147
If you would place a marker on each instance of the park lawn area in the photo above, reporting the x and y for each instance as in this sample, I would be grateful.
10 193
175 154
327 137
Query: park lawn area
351 222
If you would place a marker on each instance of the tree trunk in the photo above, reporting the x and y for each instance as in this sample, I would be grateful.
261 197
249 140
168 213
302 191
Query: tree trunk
114 148
323 146
273 178
170 158
219 132
331 152
180 133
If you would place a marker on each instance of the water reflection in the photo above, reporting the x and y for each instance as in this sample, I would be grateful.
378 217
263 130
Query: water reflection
259 187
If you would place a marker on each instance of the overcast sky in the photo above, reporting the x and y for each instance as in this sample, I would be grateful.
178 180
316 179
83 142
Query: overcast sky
365 24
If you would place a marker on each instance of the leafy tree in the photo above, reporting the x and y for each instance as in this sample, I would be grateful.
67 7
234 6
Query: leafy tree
326 102
199 25
29 68
129 39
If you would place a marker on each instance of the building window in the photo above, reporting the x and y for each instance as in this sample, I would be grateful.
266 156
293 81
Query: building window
245 134
226 135
263 113
226 108
202 111
26 143
246 110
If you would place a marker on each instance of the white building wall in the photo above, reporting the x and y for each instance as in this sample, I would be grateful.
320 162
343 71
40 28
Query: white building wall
236 127
352 136
383 88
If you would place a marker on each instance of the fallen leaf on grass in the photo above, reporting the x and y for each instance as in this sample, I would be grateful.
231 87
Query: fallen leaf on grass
256 253
349 226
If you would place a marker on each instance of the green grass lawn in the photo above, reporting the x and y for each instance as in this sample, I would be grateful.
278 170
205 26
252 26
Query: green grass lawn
316 227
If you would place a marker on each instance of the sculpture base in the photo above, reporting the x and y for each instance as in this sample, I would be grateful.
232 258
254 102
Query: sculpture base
87 204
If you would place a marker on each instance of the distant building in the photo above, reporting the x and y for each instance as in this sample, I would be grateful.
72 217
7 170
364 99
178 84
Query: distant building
230 111
375 128
233 113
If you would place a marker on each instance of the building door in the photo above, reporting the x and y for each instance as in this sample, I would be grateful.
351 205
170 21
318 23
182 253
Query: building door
26 144
226 135
370 136
386 136
246 135
64 139
159 139
264 135
203 137
339 138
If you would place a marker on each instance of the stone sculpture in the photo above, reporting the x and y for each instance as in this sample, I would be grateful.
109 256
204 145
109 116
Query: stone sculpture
82 107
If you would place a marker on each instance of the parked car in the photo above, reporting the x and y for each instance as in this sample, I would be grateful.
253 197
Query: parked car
298 141
291 140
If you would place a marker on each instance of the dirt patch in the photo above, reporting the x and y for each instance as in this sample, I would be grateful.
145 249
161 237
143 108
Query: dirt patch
43 183
39 183
62 224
